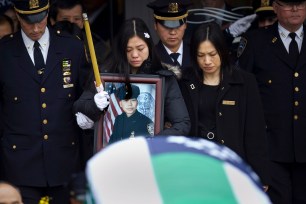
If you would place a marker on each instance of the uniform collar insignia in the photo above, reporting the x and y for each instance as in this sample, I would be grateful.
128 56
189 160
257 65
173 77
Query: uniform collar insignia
274 39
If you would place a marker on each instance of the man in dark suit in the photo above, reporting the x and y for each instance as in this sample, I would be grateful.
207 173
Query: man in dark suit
275 56
170 24
41 75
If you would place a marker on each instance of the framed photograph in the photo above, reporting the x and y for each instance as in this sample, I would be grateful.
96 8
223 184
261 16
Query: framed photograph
135 108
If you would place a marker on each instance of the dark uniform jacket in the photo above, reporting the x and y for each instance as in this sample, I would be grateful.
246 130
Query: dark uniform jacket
165 57
40 138
135 125
239 121
283 90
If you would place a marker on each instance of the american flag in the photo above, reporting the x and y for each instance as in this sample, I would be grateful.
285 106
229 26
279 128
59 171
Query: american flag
112 112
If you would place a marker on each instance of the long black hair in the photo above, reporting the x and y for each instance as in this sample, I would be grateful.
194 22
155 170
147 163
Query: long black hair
209 32
132 27
118 63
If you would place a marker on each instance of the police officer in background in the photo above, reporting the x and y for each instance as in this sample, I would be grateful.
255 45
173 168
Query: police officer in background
170 24
265 13
41 73
263 16
276 56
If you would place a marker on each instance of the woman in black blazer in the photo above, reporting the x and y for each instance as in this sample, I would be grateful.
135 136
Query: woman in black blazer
224 102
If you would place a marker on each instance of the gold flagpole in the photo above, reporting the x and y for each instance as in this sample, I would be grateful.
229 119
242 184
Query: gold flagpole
98 136
92 51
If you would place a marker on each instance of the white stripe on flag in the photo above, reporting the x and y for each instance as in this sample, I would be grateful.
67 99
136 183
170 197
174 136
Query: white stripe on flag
110 116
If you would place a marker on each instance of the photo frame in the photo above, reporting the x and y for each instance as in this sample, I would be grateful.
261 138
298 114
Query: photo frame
149 105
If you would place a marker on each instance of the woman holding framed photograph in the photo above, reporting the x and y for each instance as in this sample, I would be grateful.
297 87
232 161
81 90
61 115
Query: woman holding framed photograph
133 54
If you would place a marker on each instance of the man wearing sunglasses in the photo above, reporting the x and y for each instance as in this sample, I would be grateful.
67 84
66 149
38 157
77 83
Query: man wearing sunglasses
276 56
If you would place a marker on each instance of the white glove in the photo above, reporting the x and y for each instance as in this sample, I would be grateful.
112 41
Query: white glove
101 100
83 121
241 25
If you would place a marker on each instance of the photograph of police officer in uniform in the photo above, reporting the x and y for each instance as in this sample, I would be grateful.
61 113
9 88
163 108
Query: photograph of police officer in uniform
130 123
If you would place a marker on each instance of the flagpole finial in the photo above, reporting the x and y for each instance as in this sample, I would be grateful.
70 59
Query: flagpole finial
85 17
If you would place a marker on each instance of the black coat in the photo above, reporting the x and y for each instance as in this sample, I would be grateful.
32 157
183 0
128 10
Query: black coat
165 57
239 121
283 90
175 110
40 138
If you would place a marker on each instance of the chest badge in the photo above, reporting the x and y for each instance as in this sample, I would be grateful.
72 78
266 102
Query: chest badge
66 69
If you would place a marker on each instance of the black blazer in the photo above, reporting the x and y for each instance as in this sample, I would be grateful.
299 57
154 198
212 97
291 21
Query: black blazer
283 90
239 121
40 135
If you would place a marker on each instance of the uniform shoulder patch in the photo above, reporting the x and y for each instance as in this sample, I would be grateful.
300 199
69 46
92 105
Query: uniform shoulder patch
241 47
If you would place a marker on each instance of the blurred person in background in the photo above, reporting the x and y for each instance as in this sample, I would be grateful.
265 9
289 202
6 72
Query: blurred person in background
72 11
6 8
6 25
9 194
105 17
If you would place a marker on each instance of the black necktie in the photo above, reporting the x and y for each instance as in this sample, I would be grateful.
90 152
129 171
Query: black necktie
38 59
174 56
293 49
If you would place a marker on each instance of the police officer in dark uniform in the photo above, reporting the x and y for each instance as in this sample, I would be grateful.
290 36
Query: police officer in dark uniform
131 122
170 24
41 73
276 55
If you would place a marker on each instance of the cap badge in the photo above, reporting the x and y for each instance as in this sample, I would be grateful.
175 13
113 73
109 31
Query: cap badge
264 3
33 4
173 8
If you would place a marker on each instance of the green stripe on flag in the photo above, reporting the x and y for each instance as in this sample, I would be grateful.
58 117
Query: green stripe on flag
191 178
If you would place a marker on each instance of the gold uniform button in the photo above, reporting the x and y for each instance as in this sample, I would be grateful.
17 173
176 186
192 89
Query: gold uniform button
44 105
296 103
270 81
15 98
45 121
296 89
46 137
72 143
296 74
220 114
43 90
295 117
222 141
69 95
14 146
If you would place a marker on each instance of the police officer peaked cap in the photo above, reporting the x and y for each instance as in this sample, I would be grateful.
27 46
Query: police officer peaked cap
32 11
265 9
170 13
128 91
